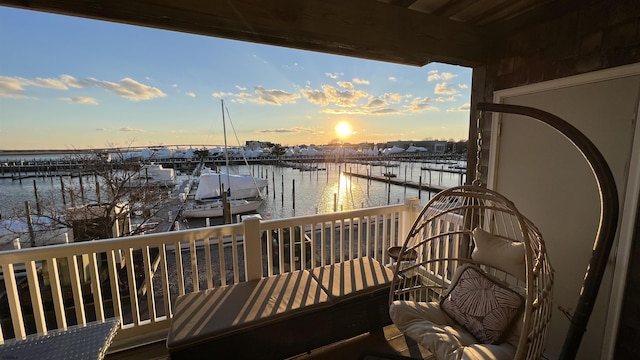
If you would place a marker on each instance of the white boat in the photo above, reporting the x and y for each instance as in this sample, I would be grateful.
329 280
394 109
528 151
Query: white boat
215 208
243 192
154 175
236 186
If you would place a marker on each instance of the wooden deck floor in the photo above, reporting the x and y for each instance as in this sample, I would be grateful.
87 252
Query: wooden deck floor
385 341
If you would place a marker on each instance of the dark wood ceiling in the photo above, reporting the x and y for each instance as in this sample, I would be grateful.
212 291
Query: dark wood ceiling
413 32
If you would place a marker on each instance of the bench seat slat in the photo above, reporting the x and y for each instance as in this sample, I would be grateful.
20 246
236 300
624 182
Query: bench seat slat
208 314
282 315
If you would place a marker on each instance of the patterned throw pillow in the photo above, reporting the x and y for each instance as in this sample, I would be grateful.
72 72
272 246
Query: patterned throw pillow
481 305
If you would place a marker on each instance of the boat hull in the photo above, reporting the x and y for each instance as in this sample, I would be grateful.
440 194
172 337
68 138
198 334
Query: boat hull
215 209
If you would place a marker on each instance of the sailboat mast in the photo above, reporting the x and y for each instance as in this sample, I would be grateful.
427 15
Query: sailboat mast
226 151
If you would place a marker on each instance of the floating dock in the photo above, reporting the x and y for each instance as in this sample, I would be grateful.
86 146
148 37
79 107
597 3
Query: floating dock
398 181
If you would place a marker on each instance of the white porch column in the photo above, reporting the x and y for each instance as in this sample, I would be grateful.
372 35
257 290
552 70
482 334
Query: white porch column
252 249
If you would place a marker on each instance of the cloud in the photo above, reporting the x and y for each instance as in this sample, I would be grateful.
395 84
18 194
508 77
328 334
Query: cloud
383 101
347 98
448 75
126 87
345 85
392 78
317 97
130 89
241 88
191 94
361 81
222 94
12 87
464 107
73 82
434 75
375 103
422 104
392 97
362 111
50 83
332 75
128 129
385 111
293 130
81 100
274 97
445 89
445 99
101 129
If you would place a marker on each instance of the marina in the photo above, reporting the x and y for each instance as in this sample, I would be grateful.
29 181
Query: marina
289 191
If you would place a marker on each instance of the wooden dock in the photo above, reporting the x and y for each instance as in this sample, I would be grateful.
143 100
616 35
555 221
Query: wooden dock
398 181
171 208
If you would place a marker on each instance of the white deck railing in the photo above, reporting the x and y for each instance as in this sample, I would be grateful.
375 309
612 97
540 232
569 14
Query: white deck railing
138 278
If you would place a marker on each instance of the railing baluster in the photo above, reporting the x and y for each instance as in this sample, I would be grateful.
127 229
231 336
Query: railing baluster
269 239
340 239
332 233
393 225
303 247
56 293
95 287
148 277
221 267
36 297
376 235
14 301
179 268
314 242
383 240
114 282
234 253
131 280
194 266
350 240
76 288
292 248
207 257
367 227
164 276
280 251
323 244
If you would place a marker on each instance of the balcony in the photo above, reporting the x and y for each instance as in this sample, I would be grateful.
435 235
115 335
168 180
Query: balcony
137 279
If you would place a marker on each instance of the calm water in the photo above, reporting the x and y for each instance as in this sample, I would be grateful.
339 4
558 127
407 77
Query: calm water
315 191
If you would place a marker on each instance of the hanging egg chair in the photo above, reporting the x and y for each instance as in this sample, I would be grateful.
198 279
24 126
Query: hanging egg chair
473 279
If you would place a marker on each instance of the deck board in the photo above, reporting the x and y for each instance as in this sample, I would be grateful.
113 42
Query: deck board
388 340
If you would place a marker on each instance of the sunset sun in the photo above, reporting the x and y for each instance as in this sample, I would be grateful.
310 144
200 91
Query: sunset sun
343 130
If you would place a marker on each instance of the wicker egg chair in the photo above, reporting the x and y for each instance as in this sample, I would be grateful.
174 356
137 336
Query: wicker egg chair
473 280
463 233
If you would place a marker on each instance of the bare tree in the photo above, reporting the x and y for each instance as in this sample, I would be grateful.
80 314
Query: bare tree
108 195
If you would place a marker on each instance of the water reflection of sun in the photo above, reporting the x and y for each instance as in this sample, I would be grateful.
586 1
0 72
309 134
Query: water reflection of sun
340 195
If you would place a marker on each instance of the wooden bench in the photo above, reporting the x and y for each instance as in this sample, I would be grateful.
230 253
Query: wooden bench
283 315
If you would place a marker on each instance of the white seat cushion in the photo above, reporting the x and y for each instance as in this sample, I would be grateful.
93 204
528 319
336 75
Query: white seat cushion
432 328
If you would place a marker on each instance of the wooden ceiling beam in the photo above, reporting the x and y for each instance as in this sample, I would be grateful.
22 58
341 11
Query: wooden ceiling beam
358 28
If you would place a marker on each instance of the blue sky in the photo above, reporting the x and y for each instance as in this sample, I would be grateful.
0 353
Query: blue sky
72 83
